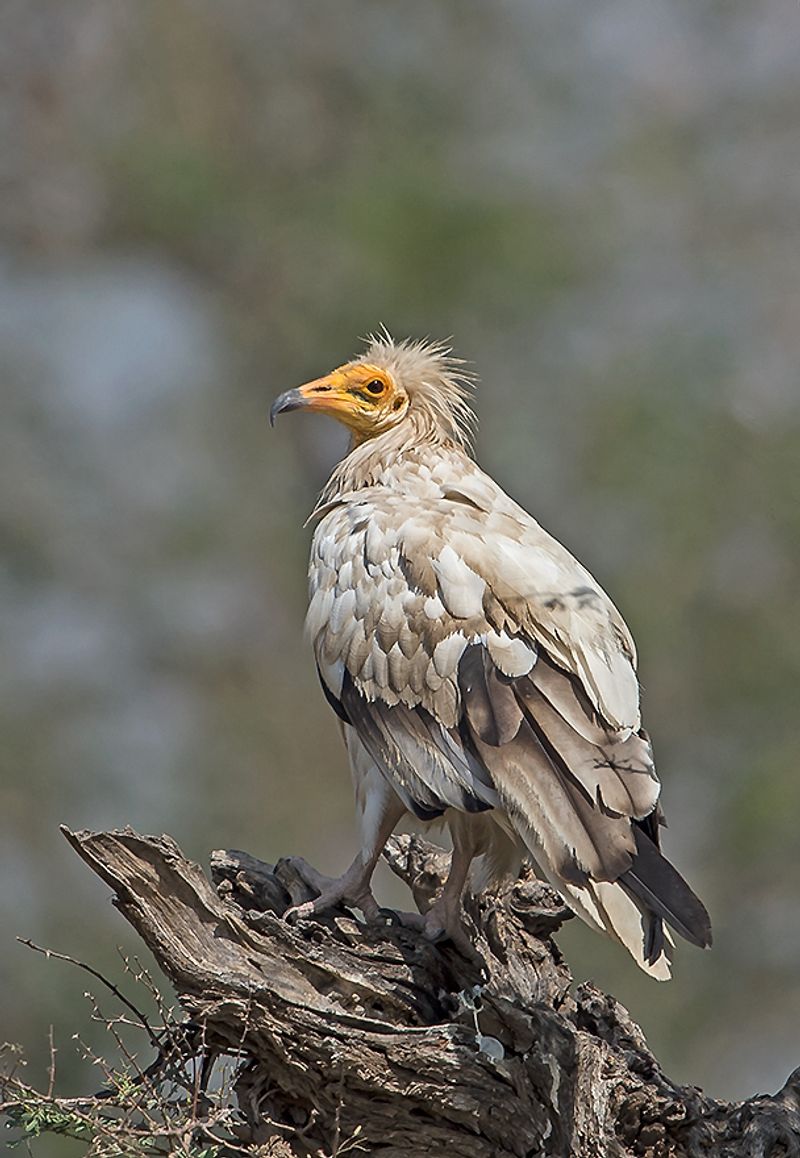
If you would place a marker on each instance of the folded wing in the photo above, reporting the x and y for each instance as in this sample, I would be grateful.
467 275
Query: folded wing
483 668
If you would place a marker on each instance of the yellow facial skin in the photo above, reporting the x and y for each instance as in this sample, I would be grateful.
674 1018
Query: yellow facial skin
362 397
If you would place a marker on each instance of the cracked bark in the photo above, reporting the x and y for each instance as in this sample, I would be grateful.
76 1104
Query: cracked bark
347 1026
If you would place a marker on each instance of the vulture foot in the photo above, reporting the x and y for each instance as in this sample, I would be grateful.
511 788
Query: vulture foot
443 922
350 889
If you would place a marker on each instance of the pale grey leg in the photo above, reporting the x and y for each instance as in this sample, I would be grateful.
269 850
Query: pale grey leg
352 888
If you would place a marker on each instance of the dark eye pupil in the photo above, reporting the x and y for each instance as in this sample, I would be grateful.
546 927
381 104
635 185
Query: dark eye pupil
375 386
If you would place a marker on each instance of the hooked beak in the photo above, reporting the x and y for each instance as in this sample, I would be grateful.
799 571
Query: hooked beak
326 394
289 400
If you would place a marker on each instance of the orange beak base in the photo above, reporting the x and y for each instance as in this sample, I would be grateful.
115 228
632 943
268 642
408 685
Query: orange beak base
329 395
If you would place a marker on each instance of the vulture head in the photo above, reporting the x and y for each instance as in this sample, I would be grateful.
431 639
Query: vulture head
417 384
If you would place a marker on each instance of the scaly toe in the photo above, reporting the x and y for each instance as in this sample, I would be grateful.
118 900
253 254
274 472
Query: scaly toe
365 901
299 912
435 934
407 920
441 927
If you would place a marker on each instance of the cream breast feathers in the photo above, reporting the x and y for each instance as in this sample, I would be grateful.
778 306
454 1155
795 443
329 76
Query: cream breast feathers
408 571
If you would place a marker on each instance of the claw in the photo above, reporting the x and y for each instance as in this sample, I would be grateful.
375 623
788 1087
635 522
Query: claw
389 917
350 890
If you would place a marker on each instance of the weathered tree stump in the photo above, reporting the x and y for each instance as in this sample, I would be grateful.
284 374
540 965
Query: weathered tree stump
374 1040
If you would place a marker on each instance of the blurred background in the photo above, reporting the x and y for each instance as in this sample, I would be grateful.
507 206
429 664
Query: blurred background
205 204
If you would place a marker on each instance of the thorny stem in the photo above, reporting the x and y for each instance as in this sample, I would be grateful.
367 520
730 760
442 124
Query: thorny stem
155 1041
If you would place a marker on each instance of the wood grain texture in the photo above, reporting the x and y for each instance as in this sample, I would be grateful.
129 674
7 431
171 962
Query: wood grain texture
342 1025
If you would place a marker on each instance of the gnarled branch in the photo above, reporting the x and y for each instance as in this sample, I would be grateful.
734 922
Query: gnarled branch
372 1034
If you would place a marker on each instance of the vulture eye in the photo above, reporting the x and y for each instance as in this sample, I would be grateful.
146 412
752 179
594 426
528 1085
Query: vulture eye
376 386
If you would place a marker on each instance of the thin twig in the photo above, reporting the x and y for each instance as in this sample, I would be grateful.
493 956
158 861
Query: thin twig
51 1070
154 1039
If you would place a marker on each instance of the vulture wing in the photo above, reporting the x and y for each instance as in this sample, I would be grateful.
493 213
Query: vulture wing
482 667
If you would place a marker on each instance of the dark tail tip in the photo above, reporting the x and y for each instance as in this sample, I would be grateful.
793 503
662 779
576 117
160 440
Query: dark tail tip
655 881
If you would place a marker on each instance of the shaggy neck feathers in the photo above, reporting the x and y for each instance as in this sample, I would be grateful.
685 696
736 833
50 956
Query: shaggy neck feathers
438 387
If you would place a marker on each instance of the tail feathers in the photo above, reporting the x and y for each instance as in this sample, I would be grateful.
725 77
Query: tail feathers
613 911
583 799
653 880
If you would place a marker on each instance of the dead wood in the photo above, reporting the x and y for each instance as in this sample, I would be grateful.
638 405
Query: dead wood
371 1039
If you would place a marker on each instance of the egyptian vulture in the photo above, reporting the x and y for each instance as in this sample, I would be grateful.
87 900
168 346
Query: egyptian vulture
481 675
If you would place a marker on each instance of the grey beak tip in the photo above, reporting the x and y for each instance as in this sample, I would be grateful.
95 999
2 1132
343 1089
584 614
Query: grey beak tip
290 400
275 409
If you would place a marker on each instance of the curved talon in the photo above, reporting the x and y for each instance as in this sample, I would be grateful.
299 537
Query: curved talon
349 891
389 917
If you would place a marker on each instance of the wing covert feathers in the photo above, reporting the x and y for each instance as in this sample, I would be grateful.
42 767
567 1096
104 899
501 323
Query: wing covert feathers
485 671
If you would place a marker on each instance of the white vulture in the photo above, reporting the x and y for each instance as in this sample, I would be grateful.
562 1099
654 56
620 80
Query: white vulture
482 676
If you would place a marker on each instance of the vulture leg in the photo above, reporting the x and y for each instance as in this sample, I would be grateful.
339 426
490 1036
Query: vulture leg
444 921
352 888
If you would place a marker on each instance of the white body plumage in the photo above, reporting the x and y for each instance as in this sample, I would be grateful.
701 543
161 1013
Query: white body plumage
481 673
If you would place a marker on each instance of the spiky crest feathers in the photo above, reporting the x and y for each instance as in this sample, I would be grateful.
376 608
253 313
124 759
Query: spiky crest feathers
439 388
438 385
